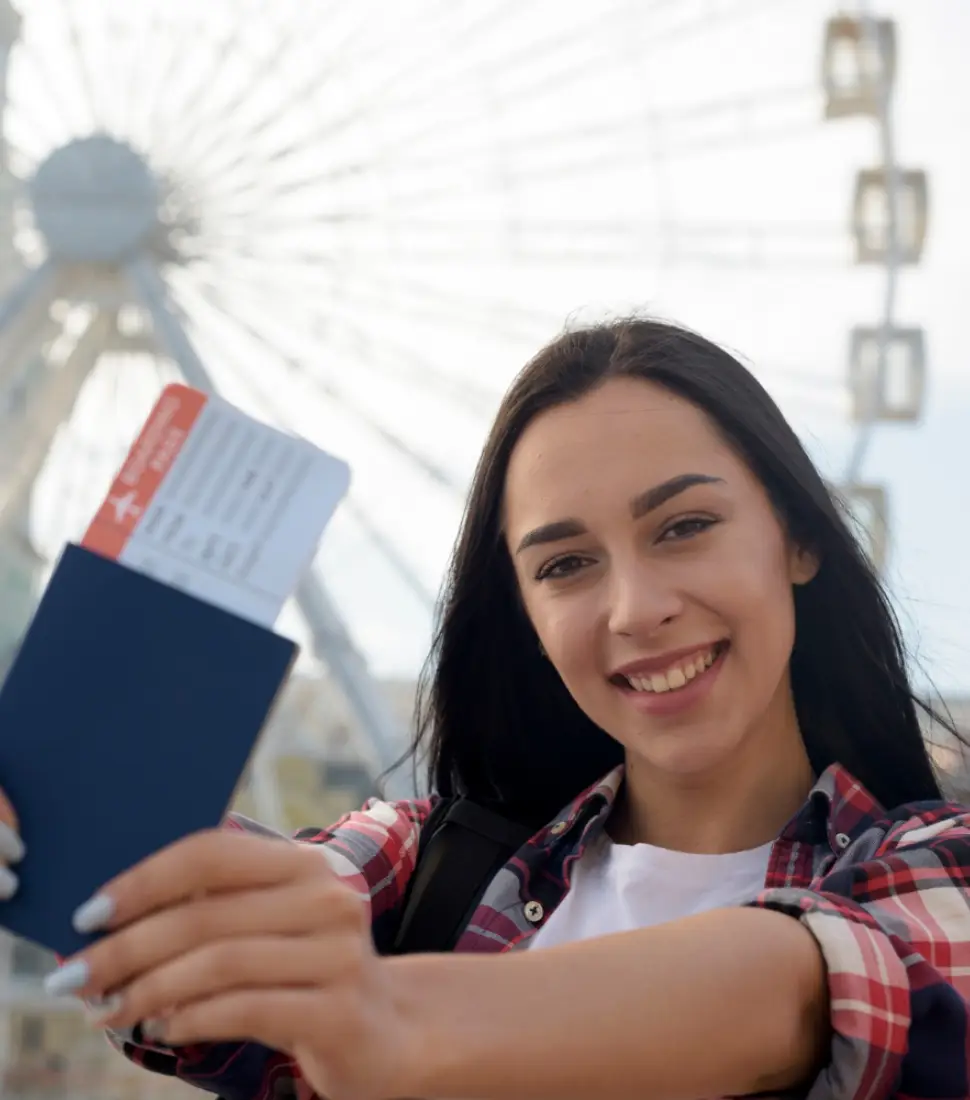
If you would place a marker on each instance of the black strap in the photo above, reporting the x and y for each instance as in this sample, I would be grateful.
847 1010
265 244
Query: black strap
462 847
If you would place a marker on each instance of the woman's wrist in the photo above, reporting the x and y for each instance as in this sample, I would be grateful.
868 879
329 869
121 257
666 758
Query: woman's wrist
433 997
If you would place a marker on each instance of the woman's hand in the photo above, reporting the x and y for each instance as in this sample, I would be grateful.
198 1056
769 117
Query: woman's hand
225 936
11 848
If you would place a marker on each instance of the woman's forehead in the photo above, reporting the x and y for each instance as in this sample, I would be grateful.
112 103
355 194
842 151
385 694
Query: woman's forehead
625 432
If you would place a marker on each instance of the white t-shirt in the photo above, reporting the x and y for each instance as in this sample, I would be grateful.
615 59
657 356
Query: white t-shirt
620 887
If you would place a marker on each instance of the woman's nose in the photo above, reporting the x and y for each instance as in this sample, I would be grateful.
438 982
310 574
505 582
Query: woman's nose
641 600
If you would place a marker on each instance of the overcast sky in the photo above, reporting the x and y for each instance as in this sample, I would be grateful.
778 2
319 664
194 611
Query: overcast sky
466 242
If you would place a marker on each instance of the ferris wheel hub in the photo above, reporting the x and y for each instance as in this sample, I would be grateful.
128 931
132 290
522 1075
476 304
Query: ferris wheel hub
95 201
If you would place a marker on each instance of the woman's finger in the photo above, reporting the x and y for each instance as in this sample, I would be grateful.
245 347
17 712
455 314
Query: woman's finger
278 1018
208 862
233 964
11 847
299 907
346 1044
8 815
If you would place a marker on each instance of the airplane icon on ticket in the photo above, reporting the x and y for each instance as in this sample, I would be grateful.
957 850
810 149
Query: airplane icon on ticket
125 506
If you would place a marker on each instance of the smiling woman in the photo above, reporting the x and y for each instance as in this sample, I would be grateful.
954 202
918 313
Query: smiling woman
662 652
640 492
667 613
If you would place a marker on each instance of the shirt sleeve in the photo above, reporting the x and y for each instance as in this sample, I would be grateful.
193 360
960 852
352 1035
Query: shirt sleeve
894 932
375 851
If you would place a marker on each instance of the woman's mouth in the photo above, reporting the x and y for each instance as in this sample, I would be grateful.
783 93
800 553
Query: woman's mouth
682 682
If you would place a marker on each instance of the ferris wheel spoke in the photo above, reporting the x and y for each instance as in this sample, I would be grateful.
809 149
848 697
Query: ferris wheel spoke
296 266
771 114
569 242
413 298
418 301
212 122
110 79
220 157
362 109
63 107
153 53
133 109
405 571
685 128
106 75
211 297
79 61
347 331
158 118
528 60
590 161
587 162
350 335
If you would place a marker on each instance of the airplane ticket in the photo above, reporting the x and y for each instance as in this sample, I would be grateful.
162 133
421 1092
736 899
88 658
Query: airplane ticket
219 505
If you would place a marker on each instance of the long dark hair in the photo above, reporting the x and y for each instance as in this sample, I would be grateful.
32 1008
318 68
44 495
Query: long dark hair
495 721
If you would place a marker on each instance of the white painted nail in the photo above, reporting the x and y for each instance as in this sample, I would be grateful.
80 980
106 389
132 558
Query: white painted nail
9 884
11 846
153 1030
99 1009
94 914
68 979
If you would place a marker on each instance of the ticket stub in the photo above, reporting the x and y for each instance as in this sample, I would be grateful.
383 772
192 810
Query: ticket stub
217 504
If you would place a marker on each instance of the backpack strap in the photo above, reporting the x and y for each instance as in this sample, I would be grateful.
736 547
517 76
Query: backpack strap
462 847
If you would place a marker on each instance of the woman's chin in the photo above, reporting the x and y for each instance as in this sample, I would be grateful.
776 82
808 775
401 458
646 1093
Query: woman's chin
683 753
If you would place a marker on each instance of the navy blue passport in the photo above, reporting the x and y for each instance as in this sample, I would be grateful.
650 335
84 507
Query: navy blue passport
126 722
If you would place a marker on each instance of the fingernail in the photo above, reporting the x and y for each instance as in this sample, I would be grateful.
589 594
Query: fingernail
9 883
93 915
153 1029
11 846
69 979
99 1009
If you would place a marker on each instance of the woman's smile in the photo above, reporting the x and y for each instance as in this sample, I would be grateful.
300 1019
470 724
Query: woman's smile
674 686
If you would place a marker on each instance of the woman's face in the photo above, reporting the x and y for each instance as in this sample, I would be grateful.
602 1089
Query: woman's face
656 574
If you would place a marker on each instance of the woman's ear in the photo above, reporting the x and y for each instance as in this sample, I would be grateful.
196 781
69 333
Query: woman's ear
803 565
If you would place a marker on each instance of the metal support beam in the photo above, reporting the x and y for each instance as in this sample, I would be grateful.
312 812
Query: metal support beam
892 257
337 648
35 289
25 444
151 290
25 319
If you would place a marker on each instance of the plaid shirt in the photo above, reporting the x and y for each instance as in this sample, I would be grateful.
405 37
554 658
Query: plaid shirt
884 893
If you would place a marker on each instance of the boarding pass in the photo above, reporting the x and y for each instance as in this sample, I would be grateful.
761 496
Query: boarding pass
219 505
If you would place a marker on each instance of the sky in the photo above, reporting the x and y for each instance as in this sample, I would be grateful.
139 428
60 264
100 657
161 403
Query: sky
391 206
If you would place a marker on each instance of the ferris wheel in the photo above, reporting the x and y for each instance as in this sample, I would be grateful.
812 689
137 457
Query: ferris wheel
356 221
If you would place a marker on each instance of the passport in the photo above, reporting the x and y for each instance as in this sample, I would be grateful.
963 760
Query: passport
150 667
126 722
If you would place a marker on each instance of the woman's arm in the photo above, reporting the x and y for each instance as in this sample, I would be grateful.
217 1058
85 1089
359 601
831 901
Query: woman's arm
726 1003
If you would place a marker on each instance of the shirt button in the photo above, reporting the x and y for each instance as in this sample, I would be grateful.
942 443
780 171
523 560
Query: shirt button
842 840
534 912
559 828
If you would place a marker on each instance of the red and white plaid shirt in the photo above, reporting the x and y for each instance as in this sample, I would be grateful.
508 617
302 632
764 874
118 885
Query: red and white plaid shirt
884 893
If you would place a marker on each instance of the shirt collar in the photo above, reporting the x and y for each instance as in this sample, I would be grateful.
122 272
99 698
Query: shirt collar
837 807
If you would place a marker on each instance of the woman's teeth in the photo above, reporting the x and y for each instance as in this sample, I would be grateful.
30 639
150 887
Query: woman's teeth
678 675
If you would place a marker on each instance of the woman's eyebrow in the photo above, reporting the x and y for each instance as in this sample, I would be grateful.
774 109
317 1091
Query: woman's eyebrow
640 505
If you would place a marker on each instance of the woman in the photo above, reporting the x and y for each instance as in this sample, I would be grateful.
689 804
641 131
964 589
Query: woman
662 646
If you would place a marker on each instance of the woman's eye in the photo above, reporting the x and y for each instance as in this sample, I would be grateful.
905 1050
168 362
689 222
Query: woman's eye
687 528
561 567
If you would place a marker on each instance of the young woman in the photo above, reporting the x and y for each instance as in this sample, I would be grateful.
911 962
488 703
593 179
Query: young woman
662 646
